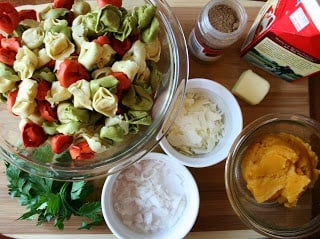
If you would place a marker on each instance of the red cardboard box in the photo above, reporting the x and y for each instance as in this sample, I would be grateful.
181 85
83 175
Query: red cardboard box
285 39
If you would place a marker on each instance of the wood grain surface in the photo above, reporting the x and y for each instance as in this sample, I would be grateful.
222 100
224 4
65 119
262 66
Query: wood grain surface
215 212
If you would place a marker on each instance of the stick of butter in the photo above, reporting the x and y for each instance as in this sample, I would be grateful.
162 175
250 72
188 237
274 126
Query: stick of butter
251 87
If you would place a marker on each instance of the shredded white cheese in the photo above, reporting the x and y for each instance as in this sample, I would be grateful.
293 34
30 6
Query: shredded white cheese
199 125
149 196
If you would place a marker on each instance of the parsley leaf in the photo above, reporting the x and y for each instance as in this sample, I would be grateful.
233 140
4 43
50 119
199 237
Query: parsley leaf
48 200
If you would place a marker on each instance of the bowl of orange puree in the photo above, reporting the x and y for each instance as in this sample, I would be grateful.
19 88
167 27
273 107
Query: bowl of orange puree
272 176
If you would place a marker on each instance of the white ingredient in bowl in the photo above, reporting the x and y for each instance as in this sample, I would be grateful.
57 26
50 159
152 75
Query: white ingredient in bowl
149 196
199 125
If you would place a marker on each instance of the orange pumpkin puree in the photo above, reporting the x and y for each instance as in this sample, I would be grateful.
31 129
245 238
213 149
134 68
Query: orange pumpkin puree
279 166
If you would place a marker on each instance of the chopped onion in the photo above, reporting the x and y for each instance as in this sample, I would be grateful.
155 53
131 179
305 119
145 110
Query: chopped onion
149 196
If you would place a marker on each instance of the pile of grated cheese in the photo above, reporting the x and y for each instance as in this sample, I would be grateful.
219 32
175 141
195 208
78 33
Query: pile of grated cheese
149 196
199 125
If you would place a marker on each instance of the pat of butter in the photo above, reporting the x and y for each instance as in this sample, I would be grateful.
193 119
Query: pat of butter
251 87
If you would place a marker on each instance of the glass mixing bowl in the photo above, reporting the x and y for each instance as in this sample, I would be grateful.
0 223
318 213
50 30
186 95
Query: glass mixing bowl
174 66
270 218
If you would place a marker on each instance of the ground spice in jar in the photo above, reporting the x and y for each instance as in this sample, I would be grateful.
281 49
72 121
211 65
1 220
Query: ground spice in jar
223 18
220 24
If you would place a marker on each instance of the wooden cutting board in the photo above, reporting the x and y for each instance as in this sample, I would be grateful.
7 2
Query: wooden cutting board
215 212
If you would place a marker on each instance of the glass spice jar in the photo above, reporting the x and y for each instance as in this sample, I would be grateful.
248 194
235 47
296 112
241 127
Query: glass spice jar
220 24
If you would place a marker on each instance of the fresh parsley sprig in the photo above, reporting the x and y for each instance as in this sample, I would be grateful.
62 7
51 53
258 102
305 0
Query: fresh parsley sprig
53 201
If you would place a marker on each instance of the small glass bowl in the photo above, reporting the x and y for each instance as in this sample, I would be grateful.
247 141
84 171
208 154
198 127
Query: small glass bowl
270 218
174 65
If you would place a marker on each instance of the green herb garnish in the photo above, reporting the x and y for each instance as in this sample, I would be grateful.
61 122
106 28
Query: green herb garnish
53 201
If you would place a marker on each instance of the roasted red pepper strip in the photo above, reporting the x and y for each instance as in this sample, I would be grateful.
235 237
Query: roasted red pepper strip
11 100
63 4
9 17
28 14
43 88
47 112
12 43
124 81
81 151
9 48
70 71
7 56
124 84
60 142
121 47
102 40
102 3
33 135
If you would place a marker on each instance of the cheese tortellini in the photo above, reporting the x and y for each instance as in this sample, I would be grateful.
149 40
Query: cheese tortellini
58 46
57 93
133 62
33 37
81 94
8 78
105 102
92 55
26 62
25 103
114 129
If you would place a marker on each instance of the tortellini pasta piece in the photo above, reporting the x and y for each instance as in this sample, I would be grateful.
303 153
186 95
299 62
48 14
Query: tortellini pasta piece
26 62
153 50
145 14
44 74
128 67
50 12
149 34
25 103
137 53
55 25
93 55
43 58
67 113
133 62
105 102
109 82
118 120
143 77
8 78
58 93
139 117
89 21
115 129
58 45
6 85
80 7
33 37
138 98
108 19
79 32
81 94
127 27
29 23
94 141
69 128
